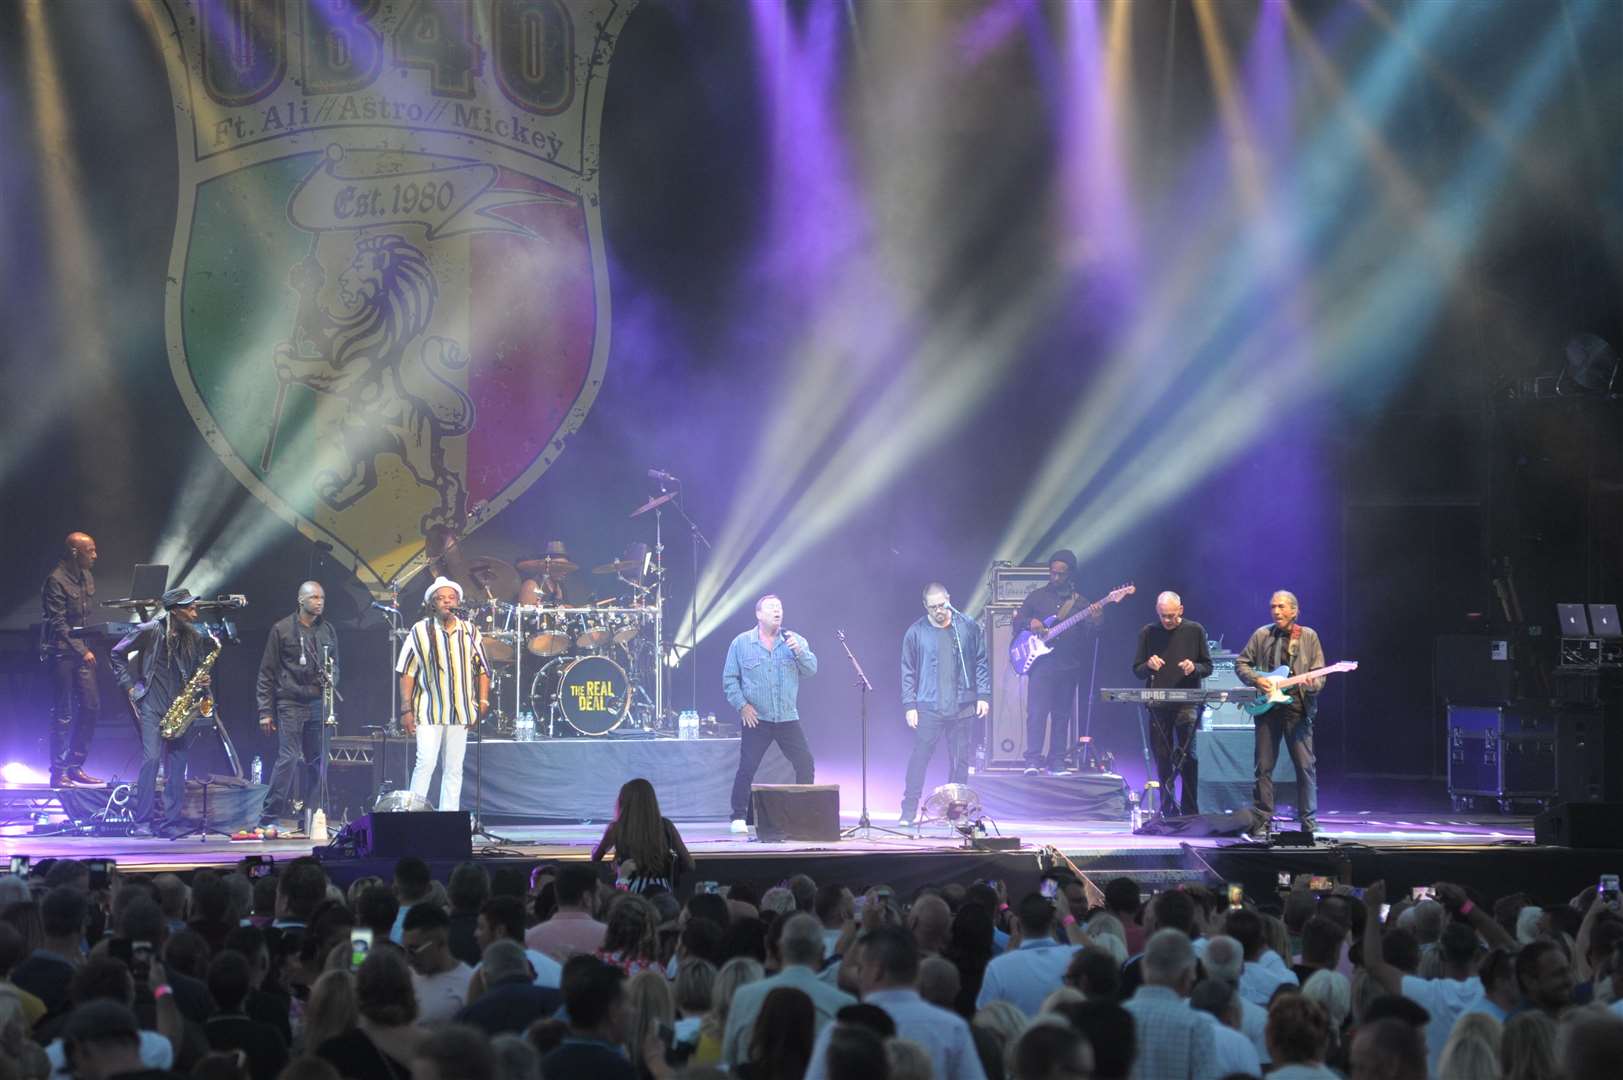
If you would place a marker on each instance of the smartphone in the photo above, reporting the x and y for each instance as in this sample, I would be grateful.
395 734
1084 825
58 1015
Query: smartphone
709 887
258 866
1318 883
360 946
1236 894
667 1035
1423 892
141 960
19 865
1608 890
101 873
1049 888
1284 879
1386 909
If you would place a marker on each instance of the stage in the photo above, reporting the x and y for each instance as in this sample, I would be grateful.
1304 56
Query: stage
1494 854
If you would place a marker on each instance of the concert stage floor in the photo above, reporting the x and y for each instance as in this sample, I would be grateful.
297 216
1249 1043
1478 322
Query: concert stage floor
1492 853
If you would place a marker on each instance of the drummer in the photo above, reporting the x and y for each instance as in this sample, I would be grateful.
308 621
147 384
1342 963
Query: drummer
549 578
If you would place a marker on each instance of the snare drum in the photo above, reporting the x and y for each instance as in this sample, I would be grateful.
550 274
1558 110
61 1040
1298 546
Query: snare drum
496 621
626 628
593 693
594 631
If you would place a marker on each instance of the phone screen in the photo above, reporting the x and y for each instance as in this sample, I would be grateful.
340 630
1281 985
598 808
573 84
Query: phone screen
1236 894
1422 892
1048 888
707 887
1284 879
360 946
1320 884
1386 909
19 865
258 866
141 960
1608 889
101 873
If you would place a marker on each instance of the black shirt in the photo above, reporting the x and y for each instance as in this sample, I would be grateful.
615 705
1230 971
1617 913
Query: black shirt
262 1044
1186 642
290 669
1043 604
357 1057
65 601
511 1007
584 1059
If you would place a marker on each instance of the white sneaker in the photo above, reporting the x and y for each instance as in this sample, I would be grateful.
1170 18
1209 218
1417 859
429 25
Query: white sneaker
739 825
905 821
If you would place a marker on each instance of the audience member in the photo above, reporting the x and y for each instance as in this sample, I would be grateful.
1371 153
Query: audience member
1051 1051
1035 962
1527 1047
781 1036
851 1052
650 1007
1298 1036
1233 1052
331 1011
1322 940
501 918
439 979
1110 1032
229 981
734 974
594 998
102 1040
1121 900
631 939
1225 959
1387 1049
804 890
1472 1049
454 1052
468 890
48 971
515 1058
572 929
834 907
511 1000
1544 975
1094 973
413 884
1173 1041
970 950
1264 970
648 851
384 1040
12 953
939 985
801 948
930 921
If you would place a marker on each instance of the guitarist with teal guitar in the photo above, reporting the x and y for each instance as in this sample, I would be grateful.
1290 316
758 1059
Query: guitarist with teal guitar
1285 662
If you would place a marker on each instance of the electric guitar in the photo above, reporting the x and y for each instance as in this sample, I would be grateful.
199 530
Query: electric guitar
1029 647
1283 679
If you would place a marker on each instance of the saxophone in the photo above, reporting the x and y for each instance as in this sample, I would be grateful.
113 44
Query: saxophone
191 700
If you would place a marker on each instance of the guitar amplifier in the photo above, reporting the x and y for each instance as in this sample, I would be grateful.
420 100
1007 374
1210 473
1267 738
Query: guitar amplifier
1228 714
1526 752
1005 744
1011 584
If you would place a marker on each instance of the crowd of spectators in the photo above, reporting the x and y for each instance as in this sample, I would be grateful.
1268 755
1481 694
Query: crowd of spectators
555 973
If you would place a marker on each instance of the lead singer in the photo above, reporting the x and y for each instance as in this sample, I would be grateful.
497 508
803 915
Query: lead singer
762 681
445 684
945 681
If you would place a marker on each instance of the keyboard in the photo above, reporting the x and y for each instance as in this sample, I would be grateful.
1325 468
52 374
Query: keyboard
1177 696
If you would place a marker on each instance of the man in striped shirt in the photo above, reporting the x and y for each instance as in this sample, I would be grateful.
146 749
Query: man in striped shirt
444 688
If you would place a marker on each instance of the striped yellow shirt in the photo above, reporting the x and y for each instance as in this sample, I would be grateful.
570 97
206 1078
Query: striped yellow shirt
444 666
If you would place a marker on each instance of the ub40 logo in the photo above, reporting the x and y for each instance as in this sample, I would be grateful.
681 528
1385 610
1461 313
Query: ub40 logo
388 300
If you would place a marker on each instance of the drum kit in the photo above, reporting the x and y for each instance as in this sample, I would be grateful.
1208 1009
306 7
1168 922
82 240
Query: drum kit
595 658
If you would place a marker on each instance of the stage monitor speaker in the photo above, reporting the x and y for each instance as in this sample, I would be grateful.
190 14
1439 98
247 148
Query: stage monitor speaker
1219 823
1580 825
429 834
796 812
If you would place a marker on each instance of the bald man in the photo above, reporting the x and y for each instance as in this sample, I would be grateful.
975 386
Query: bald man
1173 654
65 602
289 692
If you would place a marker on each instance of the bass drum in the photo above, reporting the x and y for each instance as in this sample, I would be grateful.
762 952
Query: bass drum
592 693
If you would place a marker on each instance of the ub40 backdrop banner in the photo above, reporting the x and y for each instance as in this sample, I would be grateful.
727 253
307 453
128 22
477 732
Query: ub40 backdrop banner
387 298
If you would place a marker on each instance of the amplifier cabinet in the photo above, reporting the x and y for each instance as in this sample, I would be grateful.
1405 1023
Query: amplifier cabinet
1526 752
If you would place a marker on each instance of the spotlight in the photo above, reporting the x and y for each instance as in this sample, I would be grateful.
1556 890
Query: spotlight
1591 363
17 773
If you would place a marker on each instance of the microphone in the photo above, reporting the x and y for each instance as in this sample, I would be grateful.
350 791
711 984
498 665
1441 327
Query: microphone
381 606
662 477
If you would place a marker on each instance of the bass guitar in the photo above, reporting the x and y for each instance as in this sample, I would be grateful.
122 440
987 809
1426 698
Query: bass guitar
1029 646
1283 680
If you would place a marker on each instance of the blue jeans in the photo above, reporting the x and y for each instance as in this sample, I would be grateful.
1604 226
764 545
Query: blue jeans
1291 724
174 754
933 726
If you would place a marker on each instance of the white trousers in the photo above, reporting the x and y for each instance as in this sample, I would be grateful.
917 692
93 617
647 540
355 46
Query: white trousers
454 737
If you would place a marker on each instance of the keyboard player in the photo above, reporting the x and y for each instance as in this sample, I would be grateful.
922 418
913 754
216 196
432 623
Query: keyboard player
1173 654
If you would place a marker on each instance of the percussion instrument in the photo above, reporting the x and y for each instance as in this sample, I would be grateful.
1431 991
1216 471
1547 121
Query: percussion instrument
591 693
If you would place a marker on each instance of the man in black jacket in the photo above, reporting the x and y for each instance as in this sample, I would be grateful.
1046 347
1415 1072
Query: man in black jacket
229 980
65 602
594 997
289 692
168 651
1173 654
946 686
511 1001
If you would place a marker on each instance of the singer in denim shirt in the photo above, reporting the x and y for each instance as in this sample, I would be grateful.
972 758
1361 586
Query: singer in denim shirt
762 681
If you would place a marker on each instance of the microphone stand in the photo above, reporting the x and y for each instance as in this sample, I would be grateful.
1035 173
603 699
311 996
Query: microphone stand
863 826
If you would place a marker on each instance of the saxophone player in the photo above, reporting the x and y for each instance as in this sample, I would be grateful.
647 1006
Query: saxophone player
154 665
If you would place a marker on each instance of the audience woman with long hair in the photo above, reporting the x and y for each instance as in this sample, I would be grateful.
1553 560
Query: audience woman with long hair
631 937
780 1045
736 972
1527 1048
648 851
384 1039
649 1007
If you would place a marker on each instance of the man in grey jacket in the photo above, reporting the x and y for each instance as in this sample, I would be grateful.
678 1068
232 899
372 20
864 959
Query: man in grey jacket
1284 643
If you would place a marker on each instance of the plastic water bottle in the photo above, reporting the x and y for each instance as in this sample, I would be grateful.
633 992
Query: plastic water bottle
687 724
257 770
525 729
1135 814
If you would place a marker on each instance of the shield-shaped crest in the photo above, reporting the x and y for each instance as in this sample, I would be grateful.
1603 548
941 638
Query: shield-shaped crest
388 298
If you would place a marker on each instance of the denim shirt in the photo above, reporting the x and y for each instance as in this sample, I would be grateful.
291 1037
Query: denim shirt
768 680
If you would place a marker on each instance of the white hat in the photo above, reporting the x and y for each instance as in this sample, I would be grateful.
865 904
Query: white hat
442 582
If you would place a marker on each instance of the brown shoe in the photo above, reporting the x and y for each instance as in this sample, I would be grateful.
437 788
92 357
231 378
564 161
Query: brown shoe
78 775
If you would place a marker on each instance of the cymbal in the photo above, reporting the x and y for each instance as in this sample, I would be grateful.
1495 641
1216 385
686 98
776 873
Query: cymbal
657 500
493 574
555 566
624 566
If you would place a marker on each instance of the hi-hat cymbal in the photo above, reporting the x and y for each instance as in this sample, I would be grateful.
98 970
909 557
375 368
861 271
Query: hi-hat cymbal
494 575
554 566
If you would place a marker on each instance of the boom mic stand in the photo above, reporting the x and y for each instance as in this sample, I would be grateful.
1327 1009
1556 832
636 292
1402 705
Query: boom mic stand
864 826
